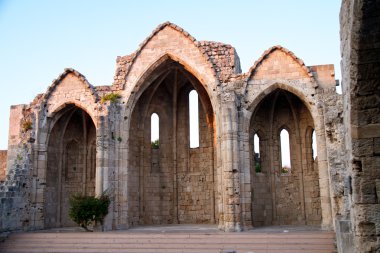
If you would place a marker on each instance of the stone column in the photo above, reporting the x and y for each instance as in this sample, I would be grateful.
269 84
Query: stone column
230 164
245 169
102 179
101 147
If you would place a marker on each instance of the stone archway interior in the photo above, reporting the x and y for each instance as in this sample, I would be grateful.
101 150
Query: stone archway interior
71 163
171 183
282 196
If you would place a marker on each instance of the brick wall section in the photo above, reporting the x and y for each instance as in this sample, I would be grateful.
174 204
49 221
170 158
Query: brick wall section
3 164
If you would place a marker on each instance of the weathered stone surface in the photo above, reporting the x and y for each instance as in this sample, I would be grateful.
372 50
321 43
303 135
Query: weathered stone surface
70 141
360 43
81 144
3 164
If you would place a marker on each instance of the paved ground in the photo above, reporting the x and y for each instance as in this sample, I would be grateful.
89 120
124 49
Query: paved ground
190 228
174 239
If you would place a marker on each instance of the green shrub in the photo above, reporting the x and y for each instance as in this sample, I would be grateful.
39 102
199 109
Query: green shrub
113 97
155 144
285 169
87 210
258 168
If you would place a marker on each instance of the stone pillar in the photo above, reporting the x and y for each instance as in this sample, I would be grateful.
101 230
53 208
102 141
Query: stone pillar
102 167
324 181
245 169
230 164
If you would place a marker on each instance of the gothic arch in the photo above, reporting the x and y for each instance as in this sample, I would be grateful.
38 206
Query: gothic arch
171 168
284 85
281 108
88 87
184 36
175 44
157 68
270 51
70 164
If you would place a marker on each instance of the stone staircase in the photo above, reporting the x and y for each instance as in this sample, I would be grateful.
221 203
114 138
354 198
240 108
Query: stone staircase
187 242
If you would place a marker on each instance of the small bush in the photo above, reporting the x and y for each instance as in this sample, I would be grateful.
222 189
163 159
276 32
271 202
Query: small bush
87 210
27 125
156 144
285 169
258 168
113 97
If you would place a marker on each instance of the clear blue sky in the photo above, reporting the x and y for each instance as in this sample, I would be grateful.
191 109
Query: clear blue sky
38 39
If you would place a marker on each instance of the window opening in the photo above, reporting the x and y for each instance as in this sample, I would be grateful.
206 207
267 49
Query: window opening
314 144
194 119
257 155
285 151
155 131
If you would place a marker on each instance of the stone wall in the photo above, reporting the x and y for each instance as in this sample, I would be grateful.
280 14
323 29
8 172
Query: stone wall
17 190
278 197
71 163
360 47
214 183
3 164
176 182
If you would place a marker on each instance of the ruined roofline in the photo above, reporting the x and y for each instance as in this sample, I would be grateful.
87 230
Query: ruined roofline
268 52
223 57
130 58
215 53
58 80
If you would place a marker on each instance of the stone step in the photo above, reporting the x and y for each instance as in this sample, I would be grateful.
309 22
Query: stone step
318 234
319 241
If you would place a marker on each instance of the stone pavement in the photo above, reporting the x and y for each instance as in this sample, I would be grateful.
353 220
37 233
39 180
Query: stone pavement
174 238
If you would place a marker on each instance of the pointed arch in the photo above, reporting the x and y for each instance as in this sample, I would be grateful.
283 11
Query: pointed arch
157 70
308 102
155 130
285 150
277 108
70 162
189 51
56 109
270 51
164 88
56 82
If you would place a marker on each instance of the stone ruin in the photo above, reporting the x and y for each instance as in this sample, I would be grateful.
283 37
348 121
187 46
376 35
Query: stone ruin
80 138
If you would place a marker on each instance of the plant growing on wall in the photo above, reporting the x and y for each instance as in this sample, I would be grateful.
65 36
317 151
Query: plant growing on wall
285 169
88 210
258 168
155 144
27 125
113 97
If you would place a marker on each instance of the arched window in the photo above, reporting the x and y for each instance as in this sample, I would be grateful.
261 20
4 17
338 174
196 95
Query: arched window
314 144
194 119
257 155
285 151
155 130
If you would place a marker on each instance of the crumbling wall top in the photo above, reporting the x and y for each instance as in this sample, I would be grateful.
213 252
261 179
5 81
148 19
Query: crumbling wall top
223 57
